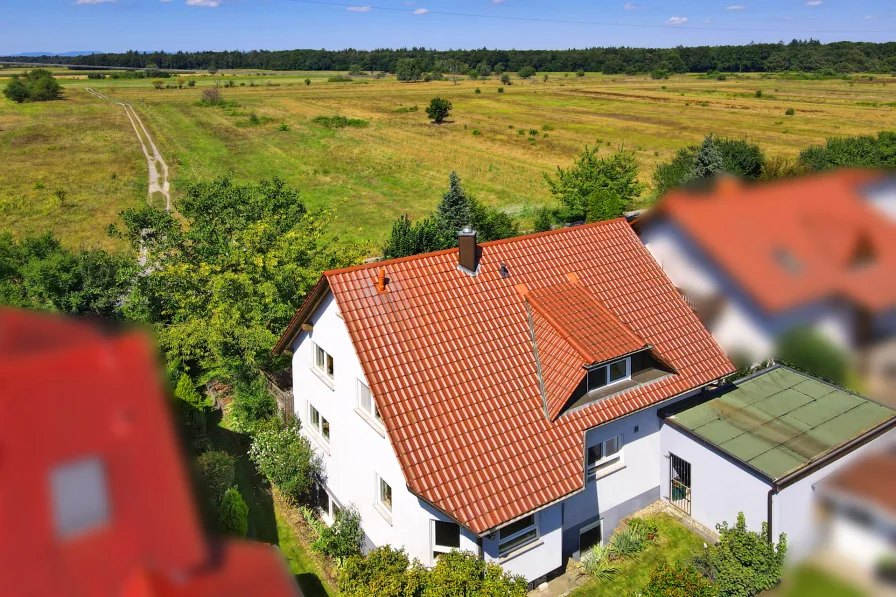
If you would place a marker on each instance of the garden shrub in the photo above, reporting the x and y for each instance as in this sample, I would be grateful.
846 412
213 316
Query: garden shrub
287 460
253 407
648 529
385 572
233 513
678 581
810 351
627 543
343 539
463 573
863 151
217 470
743 563
598 563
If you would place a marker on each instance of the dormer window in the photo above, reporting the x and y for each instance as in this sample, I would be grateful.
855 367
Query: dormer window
609 374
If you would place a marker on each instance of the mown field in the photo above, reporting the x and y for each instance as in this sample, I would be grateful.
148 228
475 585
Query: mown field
400 162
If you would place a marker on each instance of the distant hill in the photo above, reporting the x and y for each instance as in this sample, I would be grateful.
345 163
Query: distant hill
74 53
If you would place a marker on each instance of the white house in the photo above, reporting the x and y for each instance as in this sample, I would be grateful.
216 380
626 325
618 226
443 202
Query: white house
758 261
503 398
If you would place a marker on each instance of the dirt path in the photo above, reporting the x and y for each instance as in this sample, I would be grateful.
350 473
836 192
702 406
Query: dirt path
158 169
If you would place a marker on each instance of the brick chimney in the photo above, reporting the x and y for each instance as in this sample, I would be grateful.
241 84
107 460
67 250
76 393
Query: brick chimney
468 251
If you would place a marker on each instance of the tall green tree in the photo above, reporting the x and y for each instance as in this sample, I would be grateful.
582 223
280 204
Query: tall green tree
223 284
38 85
408 238
453 211
708 160
597 188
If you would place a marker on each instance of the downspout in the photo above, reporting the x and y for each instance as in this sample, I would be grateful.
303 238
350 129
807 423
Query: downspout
771 495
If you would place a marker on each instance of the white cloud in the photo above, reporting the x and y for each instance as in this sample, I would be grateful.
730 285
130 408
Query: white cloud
736 7
632 6
677 21
205 3
870 17
359 8
707 21
86 2
420 11
813 2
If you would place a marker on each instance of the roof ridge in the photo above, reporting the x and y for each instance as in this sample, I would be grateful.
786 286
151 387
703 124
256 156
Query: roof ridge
503 241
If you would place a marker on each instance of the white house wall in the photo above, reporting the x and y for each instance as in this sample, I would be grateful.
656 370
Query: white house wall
794 512
720 488
538 558
357 452
741 326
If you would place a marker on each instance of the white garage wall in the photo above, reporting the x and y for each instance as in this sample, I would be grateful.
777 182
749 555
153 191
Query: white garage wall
720 488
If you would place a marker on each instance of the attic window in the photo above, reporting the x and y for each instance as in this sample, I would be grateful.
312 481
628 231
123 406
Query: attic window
609 374
80 497
787 260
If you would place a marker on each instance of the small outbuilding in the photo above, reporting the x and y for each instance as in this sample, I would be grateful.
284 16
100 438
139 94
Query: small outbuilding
761 444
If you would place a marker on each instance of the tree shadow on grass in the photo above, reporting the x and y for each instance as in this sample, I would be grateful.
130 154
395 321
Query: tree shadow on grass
253 487
311 585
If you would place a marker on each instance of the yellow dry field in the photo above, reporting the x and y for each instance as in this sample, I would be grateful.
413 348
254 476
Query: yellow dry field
501 144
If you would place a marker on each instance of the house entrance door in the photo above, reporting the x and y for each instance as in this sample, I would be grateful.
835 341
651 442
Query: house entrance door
680 483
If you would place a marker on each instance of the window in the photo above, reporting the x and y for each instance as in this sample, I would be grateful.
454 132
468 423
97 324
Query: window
328 506
609 374
323 362
366 402
318 423
383 494
517 534
589 536
445 537
604 454
80 497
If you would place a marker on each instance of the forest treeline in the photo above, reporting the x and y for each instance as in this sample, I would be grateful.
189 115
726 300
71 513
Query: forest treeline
802 55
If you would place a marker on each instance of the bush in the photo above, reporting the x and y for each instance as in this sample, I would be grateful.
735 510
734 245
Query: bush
500 90
385 572
343 539
580 73
679 581
648 529
217 470
864 151
212 95
340 79
478 90
233 514
810 351
544 220
191 83
526 72
338 122
743 563
598 563
659 73
438 109
307 81
38 85
505 79
283 127
463 573
287 460
789 112
473 74
253 406
758 93
627 543
476 132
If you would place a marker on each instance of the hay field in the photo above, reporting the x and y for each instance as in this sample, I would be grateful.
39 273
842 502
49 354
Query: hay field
400 162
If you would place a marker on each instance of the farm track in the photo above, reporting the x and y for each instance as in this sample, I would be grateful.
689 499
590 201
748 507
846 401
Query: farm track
158 182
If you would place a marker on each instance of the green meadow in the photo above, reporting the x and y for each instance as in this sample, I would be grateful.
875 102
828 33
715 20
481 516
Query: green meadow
71 165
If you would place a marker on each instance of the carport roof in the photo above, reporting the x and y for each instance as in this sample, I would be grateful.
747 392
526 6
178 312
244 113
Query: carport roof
779 420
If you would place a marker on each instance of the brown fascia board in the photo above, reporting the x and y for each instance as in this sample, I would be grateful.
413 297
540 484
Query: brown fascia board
302 315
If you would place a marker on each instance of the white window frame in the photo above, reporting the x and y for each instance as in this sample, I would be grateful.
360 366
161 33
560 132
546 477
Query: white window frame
319 358
606 372
502 552
606 461
437 549
322 423
383 508
373 417
329 515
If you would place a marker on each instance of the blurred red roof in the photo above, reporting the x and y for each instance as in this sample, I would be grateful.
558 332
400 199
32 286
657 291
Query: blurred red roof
449 358
796 241
94 489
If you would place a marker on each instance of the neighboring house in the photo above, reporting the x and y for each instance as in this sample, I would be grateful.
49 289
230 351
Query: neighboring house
95 498
501 398
756 261
859 509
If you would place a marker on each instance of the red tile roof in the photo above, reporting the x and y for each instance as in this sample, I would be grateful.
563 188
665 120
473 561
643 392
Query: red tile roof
871 480
99 398
794 242
449 358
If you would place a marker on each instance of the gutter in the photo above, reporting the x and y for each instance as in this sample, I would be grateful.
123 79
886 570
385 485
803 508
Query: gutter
789 479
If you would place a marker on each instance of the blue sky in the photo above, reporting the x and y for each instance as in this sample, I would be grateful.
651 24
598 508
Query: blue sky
171 25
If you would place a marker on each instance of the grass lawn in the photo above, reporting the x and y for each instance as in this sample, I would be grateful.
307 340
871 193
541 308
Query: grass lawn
809 581
400 162
676 545
268 520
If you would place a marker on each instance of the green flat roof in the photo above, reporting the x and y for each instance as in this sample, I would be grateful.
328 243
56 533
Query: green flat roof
779 420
